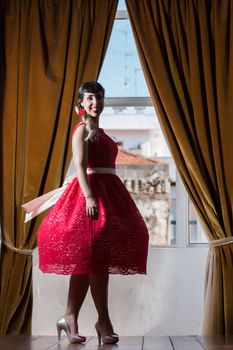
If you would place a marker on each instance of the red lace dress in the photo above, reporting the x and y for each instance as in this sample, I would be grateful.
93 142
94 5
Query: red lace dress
69 242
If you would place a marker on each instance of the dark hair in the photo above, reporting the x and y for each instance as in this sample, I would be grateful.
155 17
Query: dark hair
89 86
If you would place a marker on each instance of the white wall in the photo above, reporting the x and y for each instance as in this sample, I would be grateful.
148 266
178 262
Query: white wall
130 138
168 301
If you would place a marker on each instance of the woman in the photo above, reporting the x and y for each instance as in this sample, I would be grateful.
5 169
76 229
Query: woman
95 228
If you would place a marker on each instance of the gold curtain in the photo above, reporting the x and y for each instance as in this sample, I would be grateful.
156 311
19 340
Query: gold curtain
186 51
47 49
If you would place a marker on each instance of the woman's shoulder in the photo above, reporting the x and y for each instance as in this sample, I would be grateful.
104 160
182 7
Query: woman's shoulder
77 125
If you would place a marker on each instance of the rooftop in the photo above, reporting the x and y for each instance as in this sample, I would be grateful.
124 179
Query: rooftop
130 158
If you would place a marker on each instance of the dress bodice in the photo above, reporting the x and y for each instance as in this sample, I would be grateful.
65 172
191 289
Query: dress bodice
102 152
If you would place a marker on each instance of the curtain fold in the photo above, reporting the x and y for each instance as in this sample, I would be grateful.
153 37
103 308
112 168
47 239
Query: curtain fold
186 51
47 49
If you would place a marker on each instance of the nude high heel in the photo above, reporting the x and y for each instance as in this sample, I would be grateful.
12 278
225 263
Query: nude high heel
106 339
73 338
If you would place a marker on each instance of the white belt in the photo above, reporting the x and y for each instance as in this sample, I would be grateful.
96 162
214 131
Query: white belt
101 171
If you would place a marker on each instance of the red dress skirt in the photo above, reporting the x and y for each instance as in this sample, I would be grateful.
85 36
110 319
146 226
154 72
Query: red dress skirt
69 242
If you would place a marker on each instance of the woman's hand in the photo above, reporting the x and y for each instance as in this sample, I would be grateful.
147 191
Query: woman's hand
91 208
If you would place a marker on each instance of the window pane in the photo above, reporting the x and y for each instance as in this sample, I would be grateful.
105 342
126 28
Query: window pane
121 5
196 233
121 72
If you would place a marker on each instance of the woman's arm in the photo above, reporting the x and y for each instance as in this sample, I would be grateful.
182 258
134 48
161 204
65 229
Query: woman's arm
80 158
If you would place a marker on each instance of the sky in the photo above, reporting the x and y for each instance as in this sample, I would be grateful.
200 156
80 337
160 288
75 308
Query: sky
121 74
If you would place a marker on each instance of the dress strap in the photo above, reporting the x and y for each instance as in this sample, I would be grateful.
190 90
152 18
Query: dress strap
76 126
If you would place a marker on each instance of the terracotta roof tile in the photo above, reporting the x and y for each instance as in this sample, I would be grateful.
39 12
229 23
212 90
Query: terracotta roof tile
126 157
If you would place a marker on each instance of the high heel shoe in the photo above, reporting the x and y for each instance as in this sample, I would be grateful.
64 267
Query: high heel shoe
73 338
106 339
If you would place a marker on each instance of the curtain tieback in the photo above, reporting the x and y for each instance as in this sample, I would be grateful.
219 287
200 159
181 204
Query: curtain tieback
222 241
17 250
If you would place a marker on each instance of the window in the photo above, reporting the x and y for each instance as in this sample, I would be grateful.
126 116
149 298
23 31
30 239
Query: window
129 117
196 233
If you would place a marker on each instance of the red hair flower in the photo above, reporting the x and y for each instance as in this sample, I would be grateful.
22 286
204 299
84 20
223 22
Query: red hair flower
81 111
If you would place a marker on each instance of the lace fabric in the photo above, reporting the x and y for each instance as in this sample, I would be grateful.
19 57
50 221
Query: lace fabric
69 242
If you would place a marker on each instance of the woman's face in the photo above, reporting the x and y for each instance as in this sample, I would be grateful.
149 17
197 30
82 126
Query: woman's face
93 103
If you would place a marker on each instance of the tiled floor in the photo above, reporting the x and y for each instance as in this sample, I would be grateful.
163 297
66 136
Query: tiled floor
192 342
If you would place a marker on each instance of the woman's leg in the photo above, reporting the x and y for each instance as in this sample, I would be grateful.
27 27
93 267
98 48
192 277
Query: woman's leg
77 292
99 291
